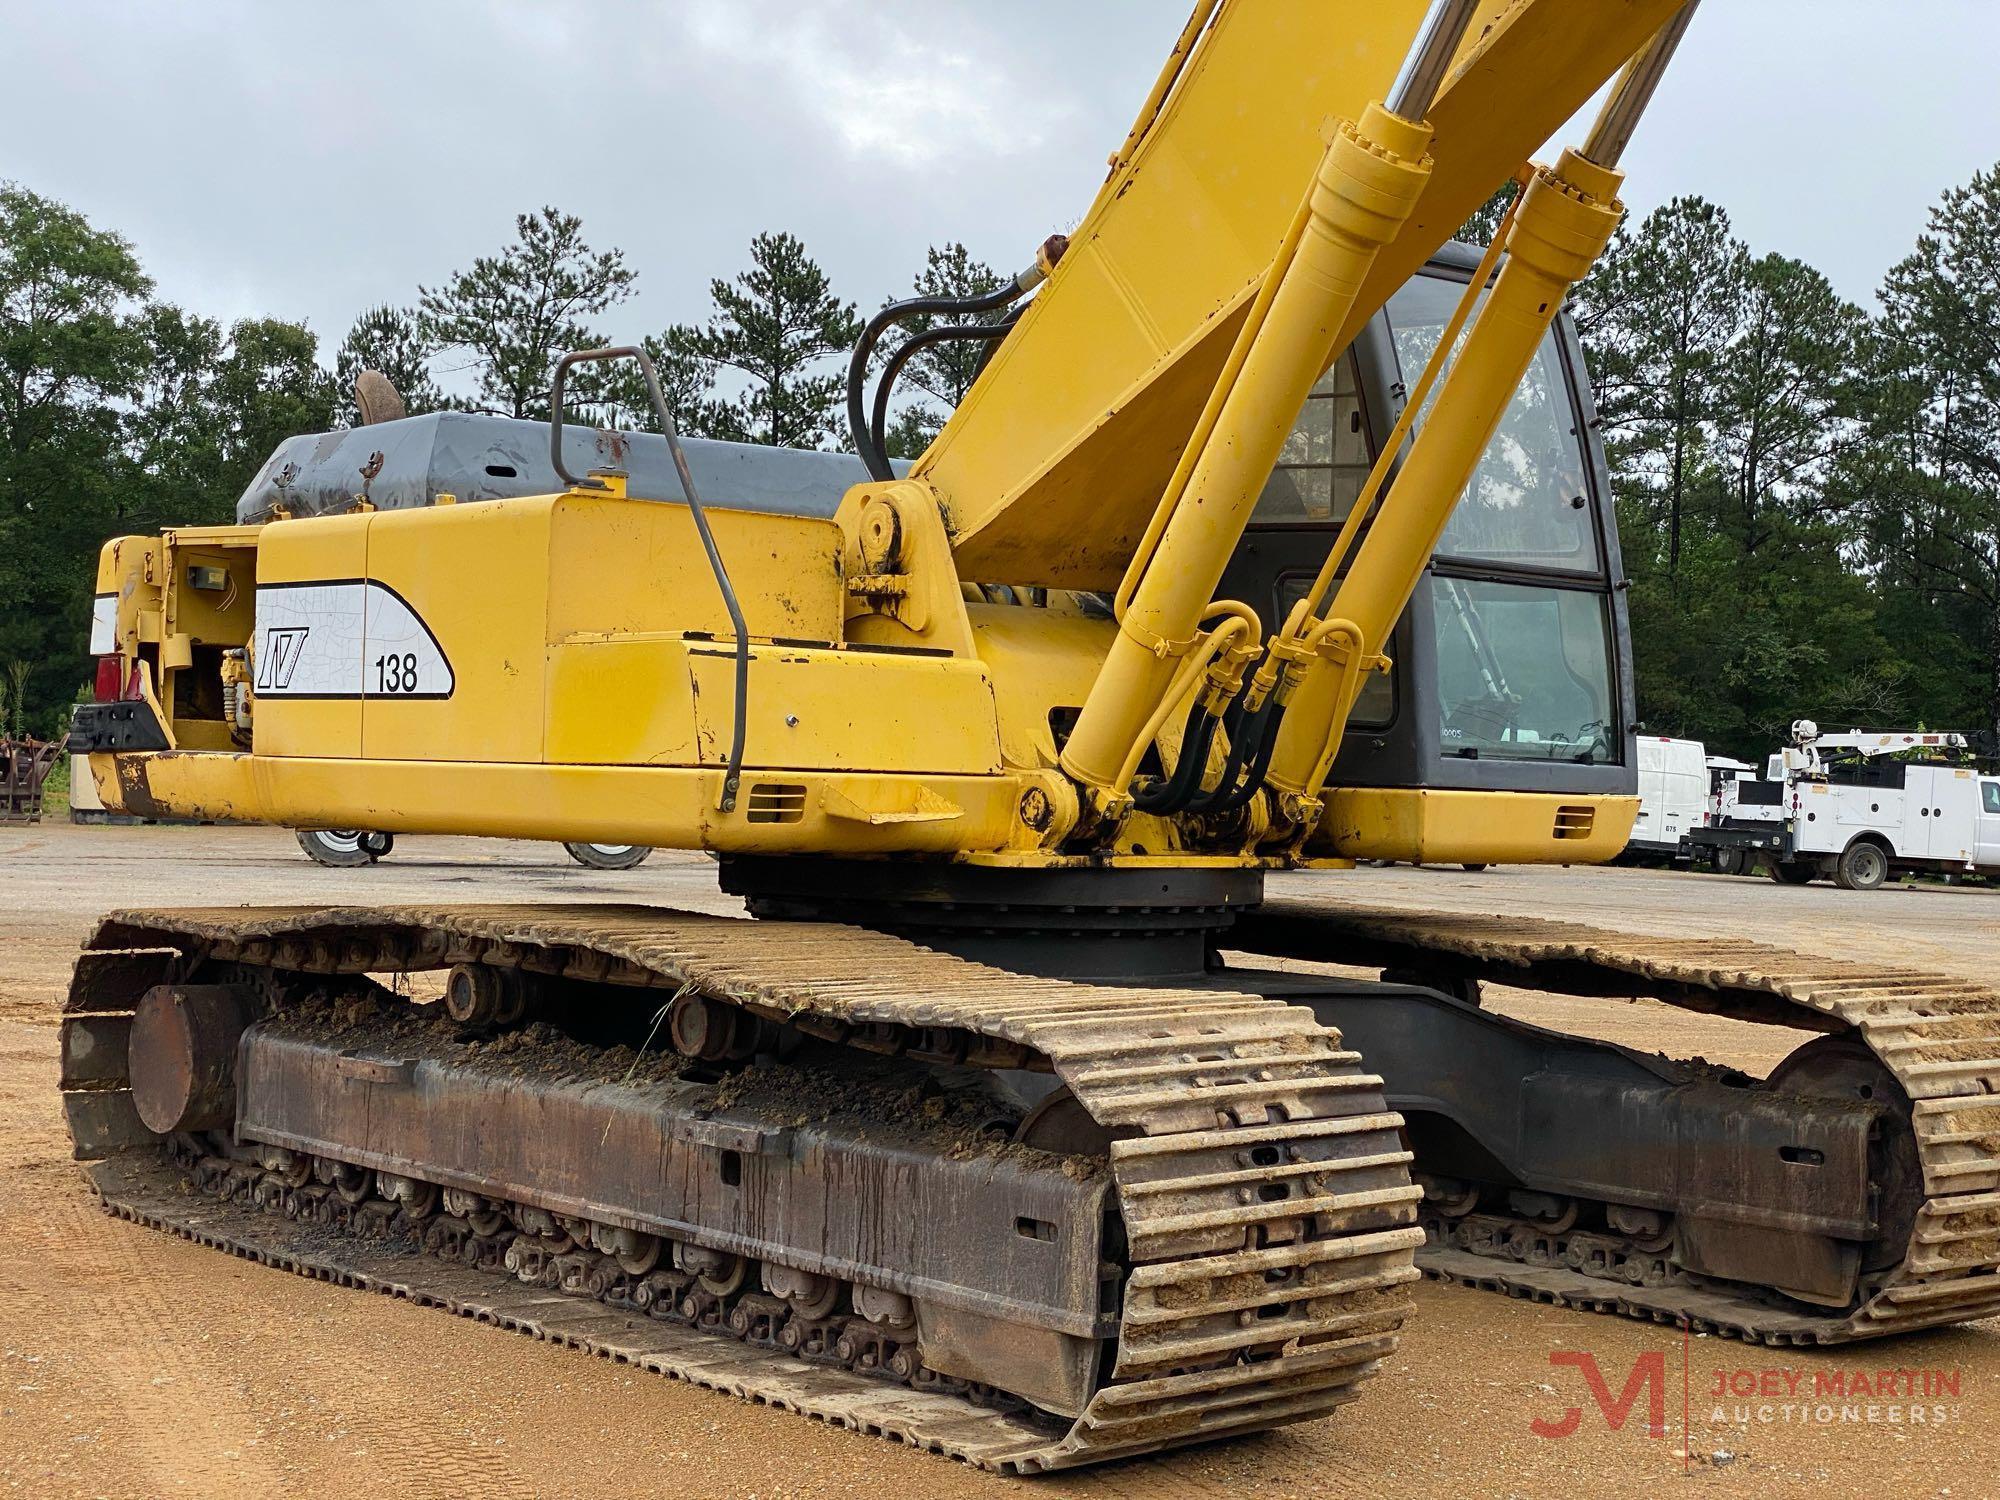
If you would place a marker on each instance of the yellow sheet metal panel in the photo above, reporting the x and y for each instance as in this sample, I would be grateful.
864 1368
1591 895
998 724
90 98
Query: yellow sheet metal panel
620 702
1052 464
634 567
291 554
1042 661
849 710
668 702
1429 826
453 663
782 812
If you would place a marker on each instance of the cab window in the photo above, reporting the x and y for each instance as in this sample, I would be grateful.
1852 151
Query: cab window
1524 672
1989 795
1528 501
1325 458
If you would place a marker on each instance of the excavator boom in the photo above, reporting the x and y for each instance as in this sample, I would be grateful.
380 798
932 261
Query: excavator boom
1051 466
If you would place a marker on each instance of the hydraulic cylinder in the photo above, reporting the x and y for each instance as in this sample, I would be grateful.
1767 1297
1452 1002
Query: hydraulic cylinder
1564 222
1367 183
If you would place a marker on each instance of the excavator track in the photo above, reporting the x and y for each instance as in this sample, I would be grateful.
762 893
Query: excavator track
1268 1219
1938 1034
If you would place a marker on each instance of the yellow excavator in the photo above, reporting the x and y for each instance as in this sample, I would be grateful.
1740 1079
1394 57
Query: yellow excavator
1272 536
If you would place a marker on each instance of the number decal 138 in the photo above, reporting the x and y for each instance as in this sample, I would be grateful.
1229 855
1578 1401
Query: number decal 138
396 674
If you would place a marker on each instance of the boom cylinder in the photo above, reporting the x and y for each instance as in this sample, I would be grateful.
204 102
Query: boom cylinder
1368 181
1563 224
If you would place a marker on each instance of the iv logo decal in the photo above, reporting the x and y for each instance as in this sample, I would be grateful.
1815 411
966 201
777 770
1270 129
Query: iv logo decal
1649 1376
282 649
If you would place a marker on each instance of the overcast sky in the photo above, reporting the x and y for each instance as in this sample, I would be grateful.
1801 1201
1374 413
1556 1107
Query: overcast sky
311 158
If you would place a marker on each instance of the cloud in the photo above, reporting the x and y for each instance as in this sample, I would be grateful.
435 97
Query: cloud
884 88
312 160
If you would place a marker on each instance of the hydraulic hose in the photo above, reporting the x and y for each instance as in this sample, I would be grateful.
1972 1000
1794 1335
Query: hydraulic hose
1239 795
872 456
989 333
1239 620
1173 793
1251 741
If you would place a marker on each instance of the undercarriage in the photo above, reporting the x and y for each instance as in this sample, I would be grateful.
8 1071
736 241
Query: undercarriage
1853 1193
1025 1219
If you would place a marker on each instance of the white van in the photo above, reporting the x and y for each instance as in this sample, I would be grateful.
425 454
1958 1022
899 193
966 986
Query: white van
1989 823
1673 795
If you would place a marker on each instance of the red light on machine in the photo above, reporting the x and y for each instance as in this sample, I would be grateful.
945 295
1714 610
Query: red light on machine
114 684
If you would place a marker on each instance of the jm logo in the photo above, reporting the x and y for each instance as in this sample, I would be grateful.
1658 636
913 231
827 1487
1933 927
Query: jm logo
1649 1374
282 649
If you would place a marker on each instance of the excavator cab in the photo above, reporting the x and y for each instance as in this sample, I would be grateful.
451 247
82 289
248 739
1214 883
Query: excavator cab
1512 664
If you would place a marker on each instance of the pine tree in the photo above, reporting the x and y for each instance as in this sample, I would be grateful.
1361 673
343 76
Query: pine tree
910 431
687 385
1657 314
1930 479
947 370
775 324
513 314
942 372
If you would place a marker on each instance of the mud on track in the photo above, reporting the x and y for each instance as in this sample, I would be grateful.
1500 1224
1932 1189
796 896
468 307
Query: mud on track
131 1364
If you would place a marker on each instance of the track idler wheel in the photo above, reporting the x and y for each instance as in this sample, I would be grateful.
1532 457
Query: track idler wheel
715 1031
482 1216
636 1253
352 1185
718 1272
1060 1123
419 1199
182 1057
811 1296
1448 1197
1842 1067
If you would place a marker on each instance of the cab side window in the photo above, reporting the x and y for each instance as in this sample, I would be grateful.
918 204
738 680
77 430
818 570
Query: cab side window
1989 795
1325 458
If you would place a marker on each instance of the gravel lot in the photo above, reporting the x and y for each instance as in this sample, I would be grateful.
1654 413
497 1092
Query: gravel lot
132 1364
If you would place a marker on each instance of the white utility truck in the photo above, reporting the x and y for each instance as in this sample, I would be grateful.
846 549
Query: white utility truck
1673 797
1857 807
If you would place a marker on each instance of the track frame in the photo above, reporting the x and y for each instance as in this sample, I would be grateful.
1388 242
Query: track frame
1260 1179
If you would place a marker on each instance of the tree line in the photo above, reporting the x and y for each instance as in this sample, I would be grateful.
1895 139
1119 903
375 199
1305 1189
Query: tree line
1808 492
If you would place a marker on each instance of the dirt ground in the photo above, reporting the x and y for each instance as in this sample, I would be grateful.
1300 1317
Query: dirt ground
137 1365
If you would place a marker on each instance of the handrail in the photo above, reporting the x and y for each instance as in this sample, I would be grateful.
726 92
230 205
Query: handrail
733 777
